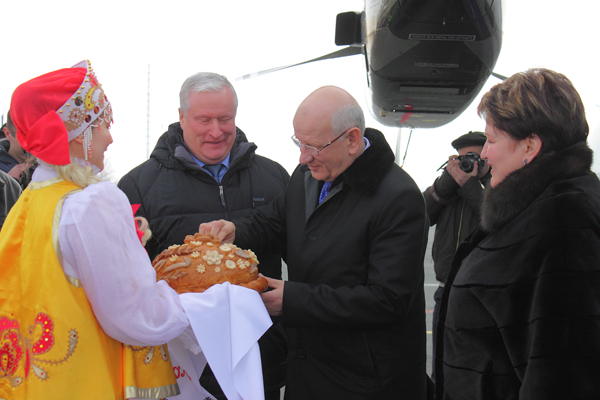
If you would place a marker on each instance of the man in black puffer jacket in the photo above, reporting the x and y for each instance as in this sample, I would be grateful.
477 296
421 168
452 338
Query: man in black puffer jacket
177 191
176 194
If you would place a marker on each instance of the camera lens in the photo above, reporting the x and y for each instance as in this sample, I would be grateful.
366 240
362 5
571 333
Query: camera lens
466 164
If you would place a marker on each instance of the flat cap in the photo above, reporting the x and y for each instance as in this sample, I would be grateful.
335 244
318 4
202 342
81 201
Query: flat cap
472 138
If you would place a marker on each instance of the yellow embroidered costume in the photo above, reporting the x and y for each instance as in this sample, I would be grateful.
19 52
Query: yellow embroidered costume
51 344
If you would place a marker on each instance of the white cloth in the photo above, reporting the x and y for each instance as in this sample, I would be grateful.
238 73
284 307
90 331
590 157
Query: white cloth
227 320
188 367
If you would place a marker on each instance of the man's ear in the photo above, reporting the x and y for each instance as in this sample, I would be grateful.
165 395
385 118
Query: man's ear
9 135
354 139
180 115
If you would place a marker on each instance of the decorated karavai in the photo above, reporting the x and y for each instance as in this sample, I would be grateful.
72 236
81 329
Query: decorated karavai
202 261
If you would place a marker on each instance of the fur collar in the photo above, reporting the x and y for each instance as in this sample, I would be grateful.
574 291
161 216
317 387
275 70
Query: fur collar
367 171
521 187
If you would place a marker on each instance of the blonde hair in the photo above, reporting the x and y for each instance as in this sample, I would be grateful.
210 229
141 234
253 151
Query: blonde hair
81 176
78 174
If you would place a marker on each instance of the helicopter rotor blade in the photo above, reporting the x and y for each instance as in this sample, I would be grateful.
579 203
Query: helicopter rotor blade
346 51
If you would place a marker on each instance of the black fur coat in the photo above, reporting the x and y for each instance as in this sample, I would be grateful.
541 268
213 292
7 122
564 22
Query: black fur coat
519 189
520 314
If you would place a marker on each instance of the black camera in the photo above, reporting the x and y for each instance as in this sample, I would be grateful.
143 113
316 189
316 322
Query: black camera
467 162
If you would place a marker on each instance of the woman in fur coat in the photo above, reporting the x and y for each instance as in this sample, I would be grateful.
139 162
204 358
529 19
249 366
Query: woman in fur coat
520 316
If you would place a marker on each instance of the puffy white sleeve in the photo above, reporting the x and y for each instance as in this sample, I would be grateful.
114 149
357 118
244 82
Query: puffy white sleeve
100 247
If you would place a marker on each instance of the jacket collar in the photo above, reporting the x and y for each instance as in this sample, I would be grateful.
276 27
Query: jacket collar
367 171
171 151
364 175
520 188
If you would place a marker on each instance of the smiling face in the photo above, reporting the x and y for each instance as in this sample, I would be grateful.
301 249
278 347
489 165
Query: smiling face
504 154
209 125
101 139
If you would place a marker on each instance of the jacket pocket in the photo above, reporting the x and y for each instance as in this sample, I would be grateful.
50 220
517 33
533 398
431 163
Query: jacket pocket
364 360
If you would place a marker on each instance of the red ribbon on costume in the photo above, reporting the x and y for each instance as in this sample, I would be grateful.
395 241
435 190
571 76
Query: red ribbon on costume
134 208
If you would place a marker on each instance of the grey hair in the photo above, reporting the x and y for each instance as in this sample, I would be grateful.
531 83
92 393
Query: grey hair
203 82
348 116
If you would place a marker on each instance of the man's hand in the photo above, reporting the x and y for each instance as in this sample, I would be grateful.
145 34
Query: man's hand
461 177
222 229
18 169
273 299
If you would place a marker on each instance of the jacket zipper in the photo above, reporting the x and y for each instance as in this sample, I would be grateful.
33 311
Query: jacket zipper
222 196
460 225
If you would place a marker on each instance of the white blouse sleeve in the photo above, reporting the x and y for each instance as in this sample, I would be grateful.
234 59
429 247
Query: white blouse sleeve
100 247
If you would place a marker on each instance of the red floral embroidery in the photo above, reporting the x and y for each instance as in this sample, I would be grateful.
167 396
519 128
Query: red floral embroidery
13 344
46 340
11 351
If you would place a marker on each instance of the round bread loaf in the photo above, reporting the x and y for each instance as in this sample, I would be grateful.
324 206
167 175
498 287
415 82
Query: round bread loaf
202 261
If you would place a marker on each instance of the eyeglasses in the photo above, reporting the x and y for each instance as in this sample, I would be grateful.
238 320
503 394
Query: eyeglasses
313 151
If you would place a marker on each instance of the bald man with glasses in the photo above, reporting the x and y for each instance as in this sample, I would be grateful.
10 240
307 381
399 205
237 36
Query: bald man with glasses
354 227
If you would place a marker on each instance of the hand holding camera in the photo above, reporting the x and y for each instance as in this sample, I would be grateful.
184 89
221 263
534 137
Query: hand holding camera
468 161
462 168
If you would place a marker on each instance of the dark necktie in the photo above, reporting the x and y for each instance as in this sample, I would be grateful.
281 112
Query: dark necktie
214 170
324 191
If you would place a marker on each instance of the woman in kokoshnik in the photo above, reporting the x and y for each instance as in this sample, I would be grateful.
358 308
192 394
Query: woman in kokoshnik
80 309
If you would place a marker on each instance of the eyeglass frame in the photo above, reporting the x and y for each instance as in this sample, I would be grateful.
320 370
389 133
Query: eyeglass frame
300 145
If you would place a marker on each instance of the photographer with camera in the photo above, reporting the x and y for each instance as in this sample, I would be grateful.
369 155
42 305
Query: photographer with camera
453 205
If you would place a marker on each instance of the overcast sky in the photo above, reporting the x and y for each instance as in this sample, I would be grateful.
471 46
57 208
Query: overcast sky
175 39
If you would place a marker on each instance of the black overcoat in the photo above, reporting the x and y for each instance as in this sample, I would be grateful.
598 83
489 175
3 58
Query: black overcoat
353 307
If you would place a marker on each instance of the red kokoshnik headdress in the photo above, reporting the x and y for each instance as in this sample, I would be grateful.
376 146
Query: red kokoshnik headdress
51 110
